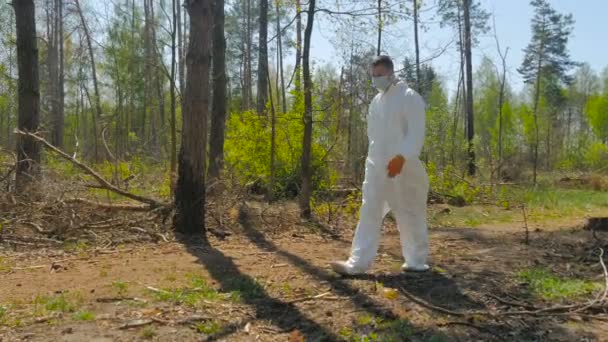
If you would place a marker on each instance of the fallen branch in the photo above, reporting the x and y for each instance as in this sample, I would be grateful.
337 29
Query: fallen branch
136 323
430 306
480 328
104 183
319 296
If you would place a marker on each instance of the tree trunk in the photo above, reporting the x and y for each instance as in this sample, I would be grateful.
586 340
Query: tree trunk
218 116
469 93
28 150
280 52
306 193
97 99
379 47
263 59
456 115
55 69
500 114
190 191
248 95
174 33
298 45
539 69
181 52
273 147
417 46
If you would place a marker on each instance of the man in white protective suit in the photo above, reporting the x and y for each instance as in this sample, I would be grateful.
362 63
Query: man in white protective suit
395 178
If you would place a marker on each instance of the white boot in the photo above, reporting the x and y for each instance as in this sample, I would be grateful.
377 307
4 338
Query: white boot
414 268
345 268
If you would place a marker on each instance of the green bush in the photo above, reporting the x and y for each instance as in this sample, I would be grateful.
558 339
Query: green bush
247 153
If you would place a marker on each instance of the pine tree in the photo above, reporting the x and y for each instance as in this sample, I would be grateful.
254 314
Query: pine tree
546 57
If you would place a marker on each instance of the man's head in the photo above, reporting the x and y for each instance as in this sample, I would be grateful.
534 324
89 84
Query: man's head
382 72
382 66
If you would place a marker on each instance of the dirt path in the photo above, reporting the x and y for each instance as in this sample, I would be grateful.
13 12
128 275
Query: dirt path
257 287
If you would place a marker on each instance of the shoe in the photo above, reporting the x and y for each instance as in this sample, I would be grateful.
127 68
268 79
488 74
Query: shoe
345 268
418 268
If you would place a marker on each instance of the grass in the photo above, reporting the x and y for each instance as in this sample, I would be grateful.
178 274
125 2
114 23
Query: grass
121 288
84 316
5 265
545 284
148 333
58 303
197 291
3 314
370 328
244 288
542 204
208 328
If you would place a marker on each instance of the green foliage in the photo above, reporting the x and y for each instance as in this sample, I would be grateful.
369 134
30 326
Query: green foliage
59 303
596 155
3 314
447 183
84 316
247 152
191 296
121 288
545 284
369 328
208 328
148 333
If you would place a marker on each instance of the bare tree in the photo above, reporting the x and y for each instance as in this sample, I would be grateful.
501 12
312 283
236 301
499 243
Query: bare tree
97 99
501 97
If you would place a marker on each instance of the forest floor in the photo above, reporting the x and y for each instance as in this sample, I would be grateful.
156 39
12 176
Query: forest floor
268 279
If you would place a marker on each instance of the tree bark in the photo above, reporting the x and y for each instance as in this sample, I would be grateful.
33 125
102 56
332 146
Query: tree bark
218 116
298 45
379 47
248 94
469 93
306 190
181 52
190 191
174 33
263 59
417 46
28 149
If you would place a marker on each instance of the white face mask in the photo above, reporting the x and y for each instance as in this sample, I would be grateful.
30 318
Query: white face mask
382 82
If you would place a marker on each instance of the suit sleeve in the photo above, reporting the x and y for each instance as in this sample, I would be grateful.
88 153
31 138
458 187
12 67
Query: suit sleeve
415 124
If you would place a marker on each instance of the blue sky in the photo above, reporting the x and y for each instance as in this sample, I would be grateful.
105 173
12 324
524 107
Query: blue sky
589 42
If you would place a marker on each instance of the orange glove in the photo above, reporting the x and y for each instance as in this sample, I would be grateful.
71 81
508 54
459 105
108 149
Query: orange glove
395 166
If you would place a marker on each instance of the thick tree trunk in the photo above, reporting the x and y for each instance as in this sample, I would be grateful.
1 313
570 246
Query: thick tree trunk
190 191
218 116
469 93
306 193
28 150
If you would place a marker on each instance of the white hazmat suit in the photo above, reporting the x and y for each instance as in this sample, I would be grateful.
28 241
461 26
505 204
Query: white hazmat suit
396 126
